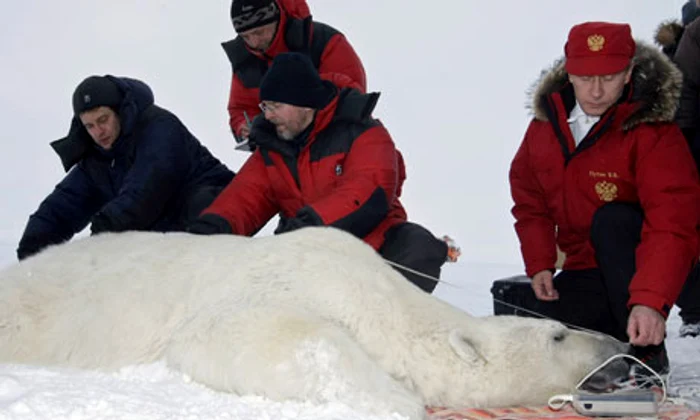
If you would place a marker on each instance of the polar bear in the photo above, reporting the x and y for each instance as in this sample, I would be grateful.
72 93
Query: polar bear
313 315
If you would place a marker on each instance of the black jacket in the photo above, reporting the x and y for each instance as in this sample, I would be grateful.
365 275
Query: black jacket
141 183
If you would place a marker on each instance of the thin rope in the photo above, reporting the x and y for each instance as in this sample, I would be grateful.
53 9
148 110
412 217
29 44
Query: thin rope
537 314
419 273
573 326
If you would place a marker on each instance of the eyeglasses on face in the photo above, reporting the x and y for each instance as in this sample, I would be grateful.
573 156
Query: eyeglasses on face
269 106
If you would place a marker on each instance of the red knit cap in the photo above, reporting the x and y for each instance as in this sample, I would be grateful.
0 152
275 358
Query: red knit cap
598 48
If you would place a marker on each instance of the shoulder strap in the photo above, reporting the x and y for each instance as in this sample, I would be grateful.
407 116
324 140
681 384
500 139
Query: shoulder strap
322 34
297 34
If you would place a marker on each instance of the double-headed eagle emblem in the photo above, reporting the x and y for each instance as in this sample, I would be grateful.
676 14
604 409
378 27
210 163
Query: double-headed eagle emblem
596 42
607 191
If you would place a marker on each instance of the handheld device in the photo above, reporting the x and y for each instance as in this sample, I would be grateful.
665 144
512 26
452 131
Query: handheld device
640 403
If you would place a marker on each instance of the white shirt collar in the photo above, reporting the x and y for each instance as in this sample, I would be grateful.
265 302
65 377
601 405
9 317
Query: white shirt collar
580 123
577 113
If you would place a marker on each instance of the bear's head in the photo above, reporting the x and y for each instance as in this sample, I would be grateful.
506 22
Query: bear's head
506 360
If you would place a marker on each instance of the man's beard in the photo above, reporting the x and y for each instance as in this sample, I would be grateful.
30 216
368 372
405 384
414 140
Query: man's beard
285 134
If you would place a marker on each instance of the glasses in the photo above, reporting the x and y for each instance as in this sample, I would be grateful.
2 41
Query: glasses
269 106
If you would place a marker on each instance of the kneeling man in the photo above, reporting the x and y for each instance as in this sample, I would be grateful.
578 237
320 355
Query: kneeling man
322 160
131 166
604 174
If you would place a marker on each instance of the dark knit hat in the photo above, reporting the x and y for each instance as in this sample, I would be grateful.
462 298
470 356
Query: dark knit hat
250 14
292 79
96 91
598 48
689 12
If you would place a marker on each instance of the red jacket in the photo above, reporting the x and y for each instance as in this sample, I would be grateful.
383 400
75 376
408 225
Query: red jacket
330 51
632 155
348 174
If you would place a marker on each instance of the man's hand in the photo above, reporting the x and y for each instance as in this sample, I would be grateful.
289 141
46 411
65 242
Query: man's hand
101 223
209 224
543 286
645 326
243 131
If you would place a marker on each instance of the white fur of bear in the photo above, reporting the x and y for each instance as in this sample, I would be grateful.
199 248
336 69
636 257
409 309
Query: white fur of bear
313 315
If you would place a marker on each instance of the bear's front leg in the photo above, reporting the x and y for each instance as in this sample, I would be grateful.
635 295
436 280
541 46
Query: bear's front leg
284 354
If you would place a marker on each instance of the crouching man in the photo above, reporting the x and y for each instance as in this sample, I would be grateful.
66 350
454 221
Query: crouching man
604 174
322 160
131 166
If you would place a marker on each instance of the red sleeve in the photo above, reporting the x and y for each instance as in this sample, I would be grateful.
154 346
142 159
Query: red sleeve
341 64
533 223
669 193
241 99
247 202
369 182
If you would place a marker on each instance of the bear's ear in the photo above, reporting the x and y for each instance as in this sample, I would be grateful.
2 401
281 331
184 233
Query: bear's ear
465 348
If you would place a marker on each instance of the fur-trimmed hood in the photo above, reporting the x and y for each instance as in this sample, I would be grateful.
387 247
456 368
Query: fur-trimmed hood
656 86
668 33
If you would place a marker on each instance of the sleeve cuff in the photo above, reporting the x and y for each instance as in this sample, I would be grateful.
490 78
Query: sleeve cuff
651 300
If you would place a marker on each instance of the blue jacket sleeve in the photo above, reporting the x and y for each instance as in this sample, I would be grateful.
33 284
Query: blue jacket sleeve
65 212
159 170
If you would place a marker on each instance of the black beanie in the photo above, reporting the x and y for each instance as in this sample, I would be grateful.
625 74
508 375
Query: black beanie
96 91
292 79
249 14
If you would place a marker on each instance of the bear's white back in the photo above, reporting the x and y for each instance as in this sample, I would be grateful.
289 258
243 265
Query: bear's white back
201 302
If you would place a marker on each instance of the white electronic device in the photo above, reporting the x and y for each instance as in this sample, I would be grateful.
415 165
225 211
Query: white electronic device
639 403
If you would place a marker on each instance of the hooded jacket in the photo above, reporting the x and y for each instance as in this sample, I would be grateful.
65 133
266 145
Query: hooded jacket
667 36
634 154
140 183
329 50
348 174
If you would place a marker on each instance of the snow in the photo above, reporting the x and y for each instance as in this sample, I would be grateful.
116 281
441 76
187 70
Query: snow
140 392
453 76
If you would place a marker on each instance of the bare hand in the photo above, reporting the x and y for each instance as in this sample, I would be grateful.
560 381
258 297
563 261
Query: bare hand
243 131
543 286
645 326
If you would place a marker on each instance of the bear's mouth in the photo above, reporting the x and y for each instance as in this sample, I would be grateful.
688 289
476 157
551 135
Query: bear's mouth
609 378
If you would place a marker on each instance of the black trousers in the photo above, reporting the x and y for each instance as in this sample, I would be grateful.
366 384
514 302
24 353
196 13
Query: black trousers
597 298
413 246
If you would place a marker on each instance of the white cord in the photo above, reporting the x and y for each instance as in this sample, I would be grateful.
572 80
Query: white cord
419 273
557 402
627 356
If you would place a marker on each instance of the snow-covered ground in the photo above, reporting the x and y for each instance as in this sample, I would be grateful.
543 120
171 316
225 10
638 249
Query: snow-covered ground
155 392
453 76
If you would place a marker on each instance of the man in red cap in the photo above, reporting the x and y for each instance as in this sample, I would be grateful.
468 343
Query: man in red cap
605 175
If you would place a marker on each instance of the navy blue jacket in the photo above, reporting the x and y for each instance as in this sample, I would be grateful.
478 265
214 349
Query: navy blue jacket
142 183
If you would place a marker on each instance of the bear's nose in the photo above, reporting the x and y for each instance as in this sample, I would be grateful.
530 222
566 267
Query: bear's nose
613 374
